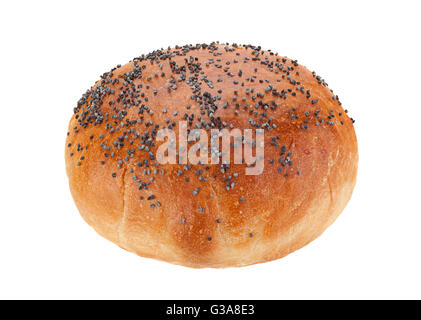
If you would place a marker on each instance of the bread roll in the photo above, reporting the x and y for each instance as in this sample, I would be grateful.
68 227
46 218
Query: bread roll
211 215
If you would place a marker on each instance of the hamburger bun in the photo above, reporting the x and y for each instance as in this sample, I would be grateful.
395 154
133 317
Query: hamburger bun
204 214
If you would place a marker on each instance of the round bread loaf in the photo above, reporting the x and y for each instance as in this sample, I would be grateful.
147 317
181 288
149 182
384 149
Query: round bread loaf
208 214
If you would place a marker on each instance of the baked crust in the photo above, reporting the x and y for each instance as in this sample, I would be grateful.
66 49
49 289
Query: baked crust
260 218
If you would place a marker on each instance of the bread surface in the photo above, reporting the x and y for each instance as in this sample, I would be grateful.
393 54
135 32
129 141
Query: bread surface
211 215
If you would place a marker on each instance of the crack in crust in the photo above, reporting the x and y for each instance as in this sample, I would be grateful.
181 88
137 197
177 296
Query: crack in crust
123 199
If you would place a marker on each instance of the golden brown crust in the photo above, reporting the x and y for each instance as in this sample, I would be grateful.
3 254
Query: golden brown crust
260 218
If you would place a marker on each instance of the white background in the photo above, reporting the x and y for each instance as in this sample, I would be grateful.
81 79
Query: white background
51 52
